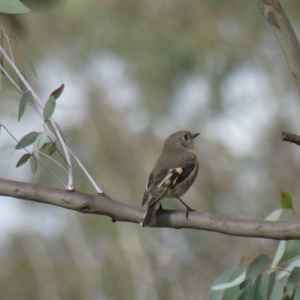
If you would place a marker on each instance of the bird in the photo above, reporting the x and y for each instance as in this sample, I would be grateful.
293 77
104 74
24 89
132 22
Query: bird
173 174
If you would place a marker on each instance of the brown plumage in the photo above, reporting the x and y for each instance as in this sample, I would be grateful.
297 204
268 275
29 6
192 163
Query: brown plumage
173 174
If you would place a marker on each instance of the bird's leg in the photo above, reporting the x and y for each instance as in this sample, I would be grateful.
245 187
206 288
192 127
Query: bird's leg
188 209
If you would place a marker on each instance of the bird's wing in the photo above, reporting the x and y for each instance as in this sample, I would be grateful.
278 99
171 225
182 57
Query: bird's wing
149 185
166 179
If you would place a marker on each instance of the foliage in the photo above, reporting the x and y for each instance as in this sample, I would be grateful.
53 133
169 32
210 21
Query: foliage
261 277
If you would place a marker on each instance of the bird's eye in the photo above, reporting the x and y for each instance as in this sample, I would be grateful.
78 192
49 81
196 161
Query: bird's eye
186 137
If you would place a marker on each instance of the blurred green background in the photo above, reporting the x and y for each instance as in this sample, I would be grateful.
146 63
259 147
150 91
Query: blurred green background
135 72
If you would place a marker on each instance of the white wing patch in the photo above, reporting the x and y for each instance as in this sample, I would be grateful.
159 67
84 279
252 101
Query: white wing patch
166 181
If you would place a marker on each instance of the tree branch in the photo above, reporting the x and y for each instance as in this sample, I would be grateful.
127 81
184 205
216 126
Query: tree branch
101 204
285 34
290 137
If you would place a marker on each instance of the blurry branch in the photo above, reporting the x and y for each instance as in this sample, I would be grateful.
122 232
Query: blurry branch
285 34
103 205
290 137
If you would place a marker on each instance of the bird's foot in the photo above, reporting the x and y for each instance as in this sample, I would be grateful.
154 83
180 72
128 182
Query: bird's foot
188 210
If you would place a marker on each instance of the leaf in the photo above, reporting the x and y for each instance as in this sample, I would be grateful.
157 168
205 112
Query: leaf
261 287
6 151
292 251
22 105
23 49
27 140
223 277
293 281
297 293
255 268
50 127
285 200
23 87
288 269
41 139
48 149
12 7
277 291
237 277
56 93
33 164
23 160
271 283
248 294
232 293
275 215
279 253
49 108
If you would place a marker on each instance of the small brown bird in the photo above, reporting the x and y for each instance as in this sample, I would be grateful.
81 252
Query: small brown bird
173 174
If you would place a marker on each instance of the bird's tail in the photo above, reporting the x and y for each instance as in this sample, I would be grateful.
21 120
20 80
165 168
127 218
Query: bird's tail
149 215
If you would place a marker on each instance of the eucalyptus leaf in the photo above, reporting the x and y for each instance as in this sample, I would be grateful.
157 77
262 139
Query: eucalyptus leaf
27 140
56 93
22 105
33 164
41 139
223 277
23 49
12 7
7 151
47 149
292 281
291 251
23 160
277 291
285 200
279 253
49 108
275 215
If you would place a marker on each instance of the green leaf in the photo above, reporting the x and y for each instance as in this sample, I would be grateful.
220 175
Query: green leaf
232 293
237 277
41 139
33 164
285 200
255 268
48 149
49 108
12 7
279 253
291 251
288 269
271 283
261 286
248 293
22 105
23 49
50 127
277 291
23 87
275 215
223 277
27 140
6 151
56 93
293 280
23 160
297 293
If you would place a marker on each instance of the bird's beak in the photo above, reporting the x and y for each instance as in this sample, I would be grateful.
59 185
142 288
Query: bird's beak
195 135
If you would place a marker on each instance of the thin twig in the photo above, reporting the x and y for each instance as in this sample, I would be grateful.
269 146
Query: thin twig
290 137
